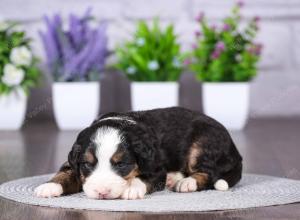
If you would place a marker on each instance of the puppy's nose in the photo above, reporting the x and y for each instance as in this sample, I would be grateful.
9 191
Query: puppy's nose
103 194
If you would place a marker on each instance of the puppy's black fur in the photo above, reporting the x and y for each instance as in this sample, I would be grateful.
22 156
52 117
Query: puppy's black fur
162 141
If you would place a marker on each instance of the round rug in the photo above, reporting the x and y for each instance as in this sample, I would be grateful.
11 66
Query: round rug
252 191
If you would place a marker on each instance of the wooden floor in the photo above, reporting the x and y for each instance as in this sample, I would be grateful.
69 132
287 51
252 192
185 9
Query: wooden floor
269 146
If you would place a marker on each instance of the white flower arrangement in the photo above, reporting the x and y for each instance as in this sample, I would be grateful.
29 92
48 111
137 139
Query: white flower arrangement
3 26
13 76
18 68
21 56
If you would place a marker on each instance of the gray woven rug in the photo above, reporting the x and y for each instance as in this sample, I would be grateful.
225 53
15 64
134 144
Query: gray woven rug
252 191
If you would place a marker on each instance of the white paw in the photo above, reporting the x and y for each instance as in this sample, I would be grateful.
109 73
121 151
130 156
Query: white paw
221 185
188 184
48 190
136 190
173 178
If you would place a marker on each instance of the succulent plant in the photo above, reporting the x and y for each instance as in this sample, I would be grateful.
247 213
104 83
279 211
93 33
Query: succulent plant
152 55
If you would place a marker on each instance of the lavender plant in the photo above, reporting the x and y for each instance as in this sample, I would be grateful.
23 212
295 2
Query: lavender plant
75 54
226 54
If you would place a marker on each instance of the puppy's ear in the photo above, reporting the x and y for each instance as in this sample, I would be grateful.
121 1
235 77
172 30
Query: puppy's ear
74 158
144 146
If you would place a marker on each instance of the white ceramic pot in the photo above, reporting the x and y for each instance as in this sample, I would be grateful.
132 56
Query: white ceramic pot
228 103
76 104
150 95
12 110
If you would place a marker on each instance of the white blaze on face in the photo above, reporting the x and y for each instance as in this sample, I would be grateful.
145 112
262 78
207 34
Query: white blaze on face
103 181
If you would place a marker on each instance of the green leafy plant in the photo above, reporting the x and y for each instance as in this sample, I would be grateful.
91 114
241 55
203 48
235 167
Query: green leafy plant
18 66
152 55
226 54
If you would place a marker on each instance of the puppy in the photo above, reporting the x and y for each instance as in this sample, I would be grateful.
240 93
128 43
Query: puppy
128 155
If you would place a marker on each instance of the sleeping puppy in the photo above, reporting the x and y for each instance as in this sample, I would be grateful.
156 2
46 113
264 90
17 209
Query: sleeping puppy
128 155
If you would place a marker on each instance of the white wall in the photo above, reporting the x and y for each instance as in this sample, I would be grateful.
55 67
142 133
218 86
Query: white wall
275 92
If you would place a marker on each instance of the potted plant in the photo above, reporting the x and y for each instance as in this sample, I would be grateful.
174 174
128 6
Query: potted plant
225 60
151 60
76 58
18 73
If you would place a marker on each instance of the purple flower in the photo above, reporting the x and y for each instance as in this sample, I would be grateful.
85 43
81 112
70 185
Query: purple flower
50 39
226 27
256 49
200 17
187 62
220 46
194 46
215 55
198 34
213 27
76 54
257 19
251 50
240 3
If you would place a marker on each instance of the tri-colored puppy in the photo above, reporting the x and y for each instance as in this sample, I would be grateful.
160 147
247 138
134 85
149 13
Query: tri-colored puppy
128 155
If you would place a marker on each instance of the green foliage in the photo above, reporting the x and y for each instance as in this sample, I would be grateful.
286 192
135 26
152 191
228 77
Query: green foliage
227 54
152 55
11 39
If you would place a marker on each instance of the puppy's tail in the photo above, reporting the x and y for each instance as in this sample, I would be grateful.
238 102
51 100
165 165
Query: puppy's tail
229 179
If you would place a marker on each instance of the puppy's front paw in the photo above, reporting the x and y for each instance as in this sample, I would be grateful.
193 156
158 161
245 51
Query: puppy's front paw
188 184
136 190
48 190
172 179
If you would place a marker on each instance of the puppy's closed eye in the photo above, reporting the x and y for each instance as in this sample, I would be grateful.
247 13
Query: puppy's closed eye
86 168
87 165
120 164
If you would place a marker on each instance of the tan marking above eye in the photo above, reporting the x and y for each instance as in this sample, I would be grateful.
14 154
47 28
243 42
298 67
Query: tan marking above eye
117 156
89 157
133 173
